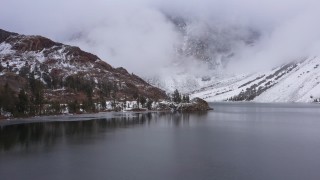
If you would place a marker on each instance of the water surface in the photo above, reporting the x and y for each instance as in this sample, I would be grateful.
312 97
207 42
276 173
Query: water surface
235 141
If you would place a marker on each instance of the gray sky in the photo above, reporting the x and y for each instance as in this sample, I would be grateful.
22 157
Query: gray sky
135 34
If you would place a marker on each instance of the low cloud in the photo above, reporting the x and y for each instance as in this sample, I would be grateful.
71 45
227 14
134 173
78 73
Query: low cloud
138 35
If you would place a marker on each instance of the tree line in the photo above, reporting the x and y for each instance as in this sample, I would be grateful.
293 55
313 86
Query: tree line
30 100
177 97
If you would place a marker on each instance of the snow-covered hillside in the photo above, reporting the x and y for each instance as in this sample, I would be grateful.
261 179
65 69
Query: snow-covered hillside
24 57
293 82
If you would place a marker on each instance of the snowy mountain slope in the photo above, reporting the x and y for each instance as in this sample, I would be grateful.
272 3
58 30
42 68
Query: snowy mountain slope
301 86
293 82
56 64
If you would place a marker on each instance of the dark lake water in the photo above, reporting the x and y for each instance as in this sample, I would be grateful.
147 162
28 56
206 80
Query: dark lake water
234 142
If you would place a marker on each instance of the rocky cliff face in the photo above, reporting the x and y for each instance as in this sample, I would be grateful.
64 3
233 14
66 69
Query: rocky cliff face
62 68
215 45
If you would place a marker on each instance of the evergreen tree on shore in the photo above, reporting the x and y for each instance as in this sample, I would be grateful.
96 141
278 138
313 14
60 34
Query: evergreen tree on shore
23 103
176 97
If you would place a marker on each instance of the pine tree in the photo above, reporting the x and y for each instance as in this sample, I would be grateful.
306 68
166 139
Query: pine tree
149 104
37 90
113 104
136 96
8 99
89 105
143 101
103 104
23 102
73 107
55 106
176 96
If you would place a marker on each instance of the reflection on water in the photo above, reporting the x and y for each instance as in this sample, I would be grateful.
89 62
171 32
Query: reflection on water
47 133
234 142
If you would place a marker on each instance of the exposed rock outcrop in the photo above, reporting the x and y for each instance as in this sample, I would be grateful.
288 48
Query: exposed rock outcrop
196 105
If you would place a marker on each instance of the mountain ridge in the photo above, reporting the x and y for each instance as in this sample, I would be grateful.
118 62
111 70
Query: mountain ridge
56 64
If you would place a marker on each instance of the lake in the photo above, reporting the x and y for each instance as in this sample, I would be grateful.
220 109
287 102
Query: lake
236 141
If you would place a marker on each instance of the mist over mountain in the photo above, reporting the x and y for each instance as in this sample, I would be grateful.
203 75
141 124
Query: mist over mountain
176 44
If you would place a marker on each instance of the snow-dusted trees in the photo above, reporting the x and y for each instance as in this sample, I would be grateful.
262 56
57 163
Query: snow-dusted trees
176 97
185 99
180 98
149 104
37 90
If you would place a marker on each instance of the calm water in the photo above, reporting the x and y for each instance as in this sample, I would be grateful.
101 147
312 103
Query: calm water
236 141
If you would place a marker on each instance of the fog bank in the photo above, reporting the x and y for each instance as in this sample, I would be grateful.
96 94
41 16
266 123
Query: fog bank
140 36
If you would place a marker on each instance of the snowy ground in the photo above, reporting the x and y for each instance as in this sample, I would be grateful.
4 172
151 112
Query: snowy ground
297 83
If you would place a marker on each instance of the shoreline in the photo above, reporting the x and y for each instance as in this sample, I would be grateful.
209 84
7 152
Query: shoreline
75 117
111 113
198 105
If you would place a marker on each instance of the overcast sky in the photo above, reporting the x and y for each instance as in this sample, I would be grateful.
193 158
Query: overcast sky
136 34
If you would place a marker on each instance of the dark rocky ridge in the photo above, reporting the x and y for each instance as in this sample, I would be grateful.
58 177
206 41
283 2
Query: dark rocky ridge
52 63
5 34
